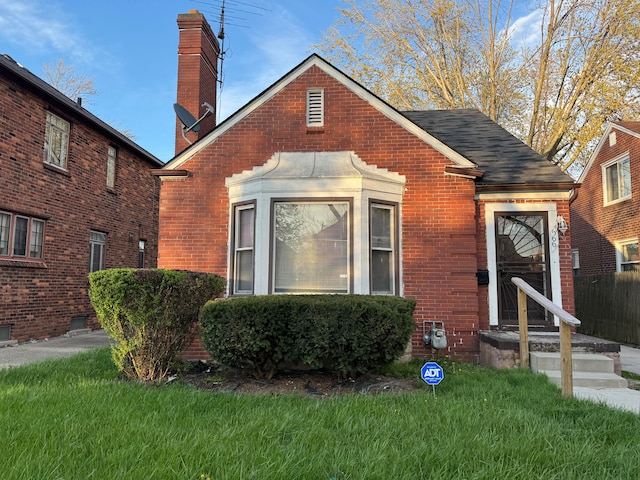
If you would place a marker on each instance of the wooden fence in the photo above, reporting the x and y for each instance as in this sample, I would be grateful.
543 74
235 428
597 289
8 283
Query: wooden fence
609 306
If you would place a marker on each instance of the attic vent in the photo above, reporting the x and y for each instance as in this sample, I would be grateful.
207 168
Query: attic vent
315 107
612 139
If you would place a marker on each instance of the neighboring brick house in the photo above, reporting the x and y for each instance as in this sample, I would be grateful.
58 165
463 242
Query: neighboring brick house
317 185
75 196
605 216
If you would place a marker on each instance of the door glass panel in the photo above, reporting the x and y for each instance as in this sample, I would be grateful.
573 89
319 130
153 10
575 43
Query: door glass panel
521 243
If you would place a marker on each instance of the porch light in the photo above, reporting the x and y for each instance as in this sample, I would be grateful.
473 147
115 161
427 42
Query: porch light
562 224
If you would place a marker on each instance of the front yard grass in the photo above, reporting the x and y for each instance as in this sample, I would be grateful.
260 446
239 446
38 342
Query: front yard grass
75 419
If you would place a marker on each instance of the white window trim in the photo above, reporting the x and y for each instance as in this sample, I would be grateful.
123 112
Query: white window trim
315 107
605 190
619 244
554 254
236 209
305 176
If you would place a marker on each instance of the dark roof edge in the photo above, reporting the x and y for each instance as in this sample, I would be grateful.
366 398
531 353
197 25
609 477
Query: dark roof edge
50 93
514 187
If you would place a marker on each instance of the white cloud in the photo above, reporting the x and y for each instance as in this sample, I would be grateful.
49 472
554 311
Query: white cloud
41 27
525 31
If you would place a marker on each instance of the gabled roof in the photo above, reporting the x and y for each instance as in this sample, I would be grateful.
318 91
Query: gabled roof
630 128
10 67
474 143
355 87
503 158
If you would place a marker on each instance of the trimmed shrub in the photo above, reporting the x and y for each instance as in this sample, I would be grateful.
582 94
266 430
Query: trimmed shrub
345 334
150 314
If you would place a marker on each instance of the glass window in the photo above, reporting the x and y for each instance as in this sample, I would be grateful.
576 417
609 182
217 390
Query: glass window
575 261
20 234
628 258
36 238
97 246
244 237
382 249
5 229
20 231
141 246
311 247
111 167
617 181
56 141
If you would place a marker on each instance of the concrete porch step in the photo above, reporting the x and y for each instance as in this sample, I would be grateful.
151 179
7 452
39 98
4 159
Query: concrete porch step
582 362
588 379
589 369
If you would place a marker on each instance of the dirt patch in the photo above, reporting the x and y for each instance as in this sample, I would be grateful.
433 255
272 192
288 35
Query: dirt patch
316 384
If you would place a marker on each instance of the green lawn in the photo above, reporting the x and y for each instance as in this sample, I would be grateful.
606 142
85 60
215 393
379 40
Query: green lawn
73 419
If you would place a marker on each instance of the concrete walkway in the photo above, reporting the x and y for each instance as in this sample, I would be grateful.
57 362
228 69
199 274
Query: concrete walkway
14 355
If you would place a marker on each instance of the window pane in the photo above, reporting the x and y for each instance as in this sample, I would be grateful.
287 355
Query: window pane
381 272
245 226
311 247
111 167
20 237
612 183
36 239
5 225
380 227
624 174
244 271
630 252
97 244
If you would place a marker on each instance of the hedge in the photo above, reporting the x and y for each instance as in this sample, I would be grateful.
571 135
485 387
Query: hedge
345 334
149 313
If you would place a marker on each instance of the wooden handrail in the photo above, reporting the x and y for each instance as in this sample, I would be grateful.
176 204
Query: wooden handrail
566 322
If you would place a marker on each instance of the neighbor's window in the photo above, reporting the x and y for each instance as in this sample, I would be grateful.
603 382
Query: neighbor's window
97 247
628 259
382 243
310 247
21 236
244 237
617 180
315 107
575 261
111 167
141 246
56 142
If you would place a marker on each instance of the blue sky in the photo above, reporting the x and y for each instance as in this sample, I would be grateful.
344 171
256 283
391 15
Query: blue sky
129 49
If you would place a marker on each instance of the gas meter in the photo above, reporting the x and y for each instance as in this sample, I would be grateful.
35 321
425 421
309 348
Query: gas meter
436 336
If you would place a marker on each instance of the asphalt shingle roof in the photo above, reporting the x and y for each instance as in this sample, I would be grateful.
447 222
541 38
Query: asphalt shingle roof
503 158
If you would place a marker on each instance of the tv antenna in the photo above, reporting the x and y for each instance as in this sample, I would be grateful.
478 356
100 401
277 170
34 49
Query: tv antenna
189 122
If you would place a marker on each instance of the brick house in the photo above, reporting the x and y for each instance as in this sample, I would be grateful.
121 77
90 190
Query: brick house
318 185
75 196
606 213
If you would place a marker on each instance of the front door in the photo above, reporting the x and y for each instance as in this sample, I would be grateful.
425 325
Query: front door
522 246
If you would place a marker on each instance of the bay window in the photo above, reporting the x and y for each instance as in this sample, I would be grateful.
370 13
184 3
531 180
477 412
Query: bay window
315 222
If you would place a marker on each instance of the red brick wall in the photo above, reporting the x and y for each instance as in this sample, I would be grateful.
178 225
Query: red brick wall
438 213
39 299
595 227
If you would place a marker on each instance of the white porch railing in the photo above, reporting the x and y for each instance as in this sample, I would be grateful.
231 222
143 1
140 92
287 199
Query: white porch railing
566 322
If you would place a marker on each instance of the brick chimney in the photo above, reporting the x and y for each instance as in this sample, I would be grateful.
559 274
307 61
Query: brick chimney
198 51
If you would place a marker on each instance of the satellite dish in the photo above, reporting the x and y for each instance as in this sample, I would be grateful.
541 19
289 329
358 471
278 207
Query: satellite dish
189 122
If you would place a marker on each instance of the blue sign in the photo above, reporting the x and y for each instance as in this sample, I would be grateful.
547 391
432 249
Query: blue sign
432 373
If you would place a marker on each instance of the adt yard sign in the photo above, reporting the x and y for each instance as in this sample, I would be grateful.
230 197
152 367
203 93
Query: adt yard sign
432 373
